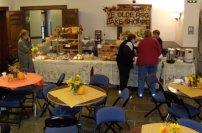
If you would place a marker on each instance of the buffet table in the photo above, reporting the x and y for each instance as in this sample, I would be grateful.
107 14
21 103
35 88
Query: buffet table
177 70
51 69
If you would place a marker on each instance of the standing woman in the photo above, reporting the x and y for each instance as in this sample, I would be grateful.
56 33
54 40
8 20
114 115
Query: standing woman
148 52
124 60
24 51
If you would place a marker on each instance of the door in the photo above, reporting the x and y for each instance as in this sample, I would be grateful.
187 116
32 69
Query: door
3 40
70 17
15 24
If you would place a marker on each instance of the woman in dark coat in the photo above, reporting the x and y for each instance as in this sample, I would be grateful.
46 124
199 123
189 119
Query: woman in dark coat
24 51
125 59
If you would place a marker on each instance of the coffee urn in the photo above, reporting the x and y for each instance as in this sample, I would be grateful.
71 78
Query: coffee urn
189 55
171 55
179 53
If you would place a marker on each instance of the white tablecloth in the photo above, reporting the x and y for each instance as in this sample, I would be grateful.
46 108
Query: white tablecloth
51 69
177 70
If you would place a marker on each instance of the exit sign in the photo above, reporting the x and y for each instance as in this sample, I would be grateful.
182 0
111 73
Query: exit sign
192 1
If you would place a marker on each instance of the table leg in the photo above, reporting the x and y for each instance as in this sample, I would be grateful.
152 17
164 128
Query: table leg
80 119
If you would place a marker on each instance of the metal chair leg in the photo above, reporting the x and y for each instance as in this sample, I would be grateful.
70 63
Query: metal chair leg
167 117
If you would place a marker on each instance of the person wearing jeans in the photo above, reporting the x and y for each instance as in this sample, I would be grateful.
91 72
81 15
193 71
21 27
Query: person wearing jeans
148 52
142 73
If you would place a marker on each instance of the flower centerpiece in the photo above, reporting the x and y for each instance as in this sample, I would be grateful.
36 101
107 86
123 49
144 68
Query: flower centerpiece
195 80
170 128
75 84
14 69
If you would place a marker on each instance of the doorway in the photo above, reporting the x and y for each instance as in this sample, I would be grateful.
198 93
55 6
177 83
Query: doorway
3 39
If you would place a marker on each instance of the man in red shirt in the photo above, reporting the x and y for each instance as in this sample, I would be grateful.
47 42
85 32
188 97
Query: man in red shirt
148 52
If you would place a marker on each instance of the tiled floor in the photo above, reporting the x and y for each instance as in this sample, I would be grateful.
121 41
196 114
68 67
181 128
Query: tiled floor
135 111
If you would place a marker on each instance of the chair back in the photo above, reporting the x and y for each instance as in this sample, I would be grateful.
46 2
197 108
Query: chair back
110 114
190 124
69 129
124 97
173 99
60 80
99 80
61 124
48 88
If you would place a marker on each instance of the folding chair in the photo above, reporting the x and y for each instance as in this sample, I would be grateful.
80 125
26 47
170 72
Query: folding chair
62 124
110 116
191 124
10 101
159 98
177 108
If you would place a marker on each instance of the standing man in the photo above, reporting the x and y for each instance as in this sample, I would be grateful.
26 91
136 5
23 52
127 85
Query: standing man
125 59
156 35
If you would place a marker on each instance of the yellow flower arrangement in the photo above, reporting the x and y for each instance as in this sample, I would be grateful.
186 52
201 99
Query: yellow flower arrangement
170 128
35 49
74 83
14 68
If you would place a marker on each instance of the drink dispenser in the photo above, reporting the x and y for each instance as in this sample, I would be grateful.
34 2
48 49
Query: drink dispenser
189 55
171 55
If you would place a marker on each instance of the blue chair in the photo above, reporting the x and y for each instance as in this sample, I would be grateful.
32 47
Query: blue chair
64 111
159 98
101 81
11 101
124 97
109 116
47 103
191 124
39 94
27 90
178 108
63 124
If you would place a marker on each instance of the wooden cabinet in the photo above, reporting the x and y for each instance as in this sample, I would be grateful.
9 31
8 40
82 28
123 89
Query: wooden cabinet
15 24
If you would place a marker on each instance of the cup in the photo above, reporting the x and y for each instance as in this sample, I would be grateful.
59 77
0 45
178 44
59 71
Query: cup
4 74
186 80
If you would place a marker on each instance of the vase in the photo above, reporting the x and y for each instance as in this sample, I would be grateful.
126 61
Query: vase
75 89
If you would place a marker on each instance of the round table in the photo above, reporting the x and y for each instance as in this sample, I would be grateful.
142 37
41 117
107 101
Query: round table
59 102
83 104
175 88
155 128
30 79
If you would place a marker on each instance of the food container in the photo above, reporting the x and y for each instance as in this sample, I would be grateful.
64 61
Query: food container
189 55
171 55
179 53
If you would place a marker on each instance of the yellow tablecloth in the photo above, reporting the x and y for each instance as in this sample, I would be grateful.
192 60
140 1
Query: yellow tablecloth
65 95
188 91
155 128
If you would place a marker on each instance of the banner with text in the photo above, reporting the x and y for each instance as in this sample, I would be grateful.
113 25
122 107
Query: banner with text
139 15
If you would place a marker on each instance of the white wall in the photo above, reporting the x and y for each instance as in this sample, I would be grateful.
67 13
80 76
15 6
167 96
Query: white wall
191 18
92 17
7 3
19 3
